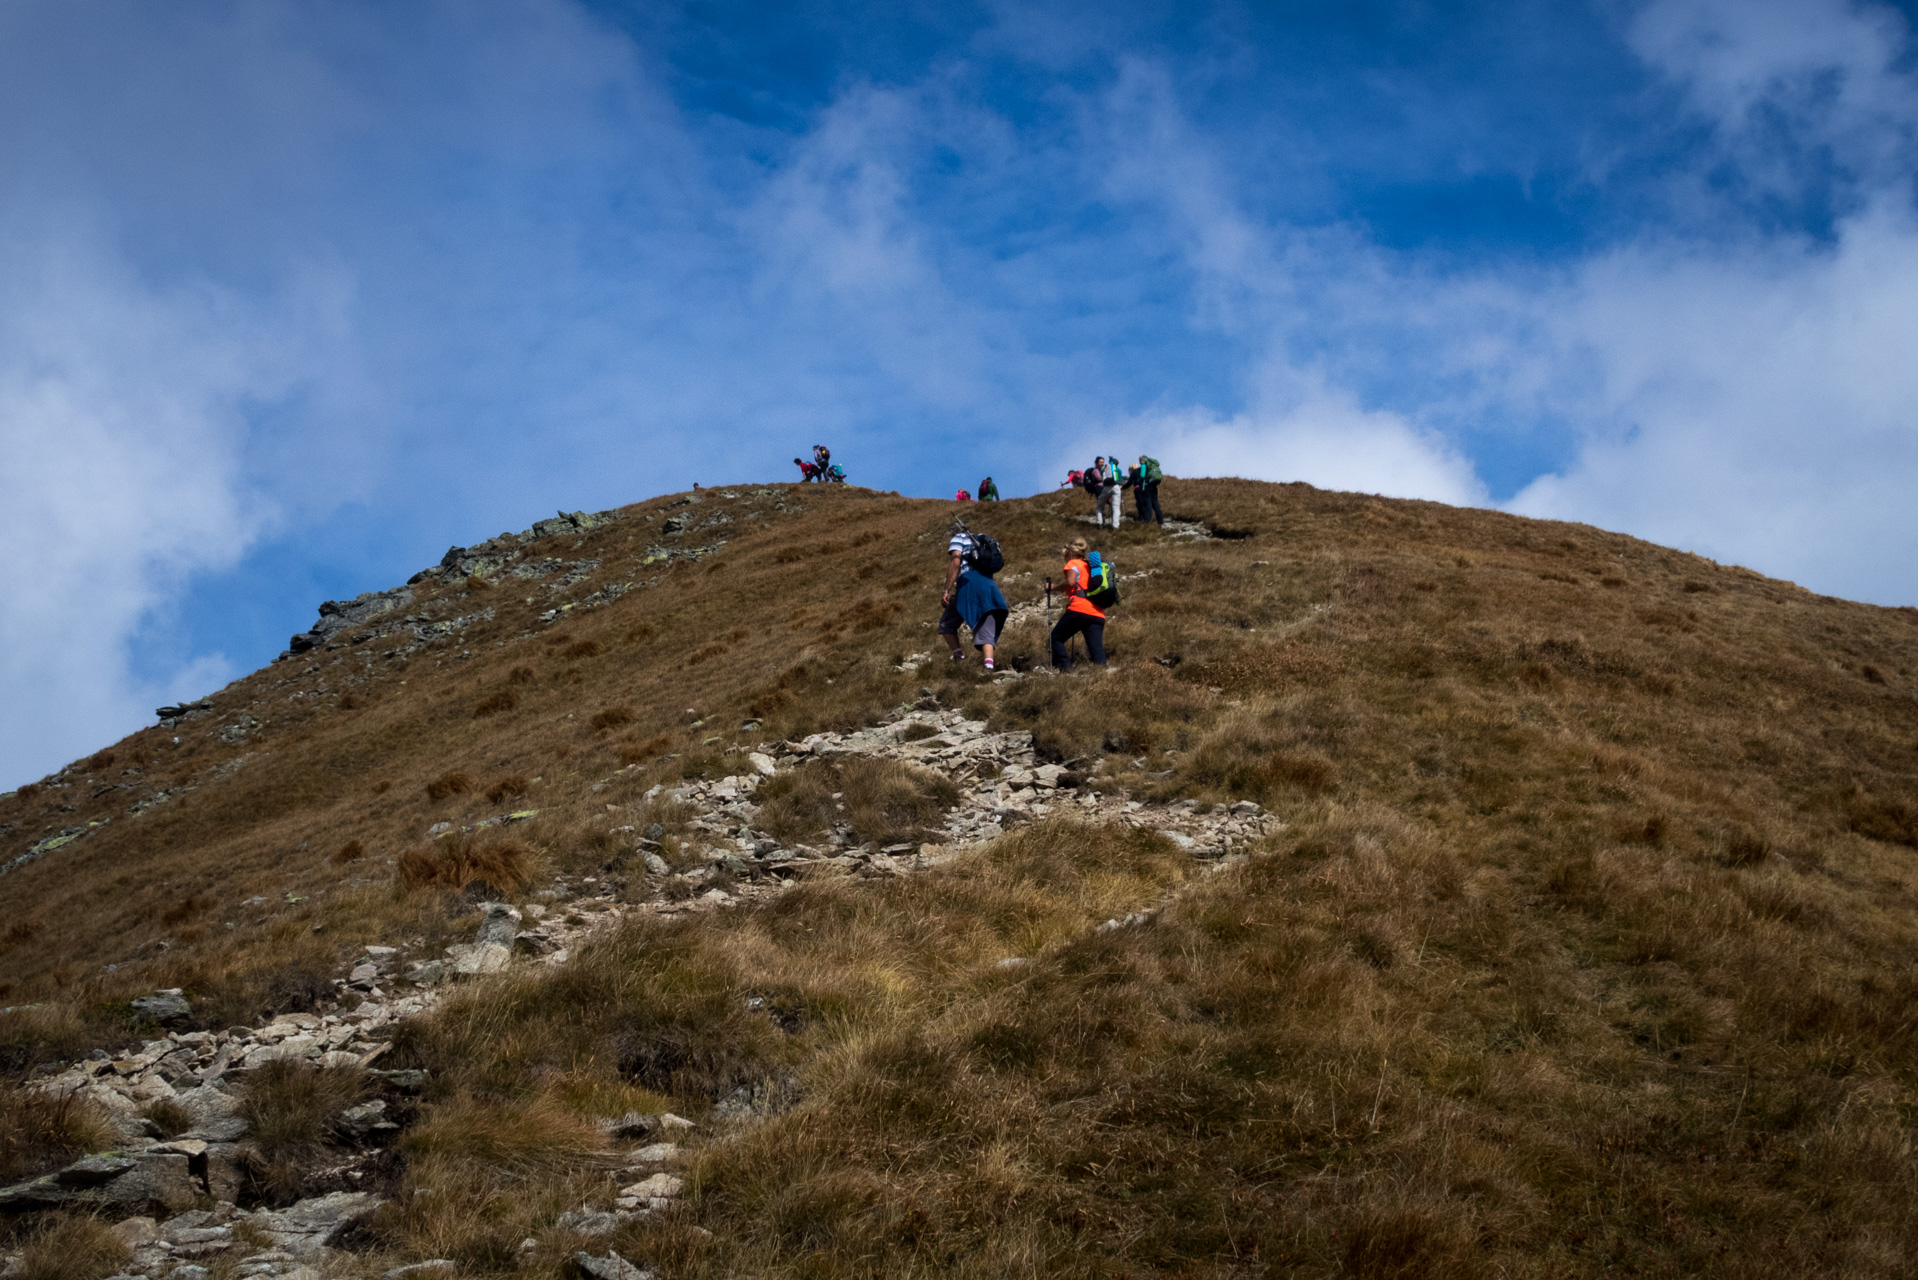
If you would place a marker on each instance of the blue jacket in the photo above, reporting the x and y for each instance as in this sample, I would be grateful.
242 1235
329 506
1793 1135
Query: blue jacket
975 595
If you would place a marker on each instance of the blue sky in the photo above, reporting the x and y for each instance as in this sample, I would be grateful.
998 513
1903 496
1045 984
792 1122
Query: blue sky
292 297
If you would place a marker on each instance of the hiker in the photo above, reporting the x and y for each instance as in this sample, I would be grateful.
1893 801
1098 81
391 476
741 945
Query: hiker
1081 615
821 457
834 474
962 496
1145 489
971 596
1107 494
1073 480
808 473
988 491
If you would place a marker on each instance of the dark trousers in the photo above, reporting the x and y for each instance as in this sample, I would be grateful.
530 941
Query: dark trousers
1147 497
1071 625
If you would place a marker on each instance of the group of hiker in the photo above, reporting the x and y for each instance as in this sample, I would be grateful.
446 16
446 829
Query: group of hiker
1107 482
988 492
1088 581
822 469
1088 585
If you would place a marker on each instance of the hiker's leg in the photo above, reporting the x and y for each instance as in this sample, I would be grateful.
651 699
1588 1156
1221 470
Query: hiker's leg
949 630
1061 634
1118 505
1096 640
985 636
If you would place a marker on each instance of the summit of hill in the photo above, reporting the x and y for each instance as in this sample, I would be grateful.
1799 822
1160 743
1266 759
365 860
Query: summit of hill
1423 891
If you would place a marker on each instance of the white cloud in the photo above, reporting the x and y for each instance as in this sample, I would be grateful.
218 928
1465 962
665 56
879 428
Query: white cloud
1756 399
1758 406
123 425
1325 438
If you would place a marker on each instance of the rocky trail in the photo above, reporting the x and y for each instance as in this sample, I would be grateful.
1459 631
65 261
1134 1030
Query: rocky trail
177 1197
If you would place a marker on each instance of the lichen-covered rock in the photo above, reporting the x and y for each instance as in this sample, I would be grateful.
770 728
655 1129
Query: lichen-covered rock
343 615
311 1225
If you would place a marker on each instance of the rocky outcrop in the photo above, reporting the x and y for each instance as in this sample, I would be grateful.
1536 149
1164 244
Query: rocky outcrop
164 1007
159 1179
486 560
342 615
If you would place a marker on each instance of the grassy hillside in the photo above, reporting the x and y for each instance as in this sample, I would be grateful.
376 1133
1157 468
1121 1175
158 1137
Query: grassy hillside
1587 944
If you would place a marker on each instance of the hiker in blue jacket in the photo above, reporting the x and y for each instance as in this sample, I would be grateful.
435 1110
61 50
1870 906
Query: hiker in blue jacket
971 596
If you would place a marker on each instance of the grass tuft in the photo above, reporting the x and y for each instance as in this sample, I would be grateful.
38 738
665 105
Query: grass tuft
506 865
880 800
291 1107
496 703
456 782
40 1132
71 1246
502 789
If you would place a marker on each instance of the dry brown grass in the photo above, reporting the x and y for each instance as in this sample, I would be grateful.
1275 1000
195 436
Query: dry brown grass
1595 896
351 851
454 782
456 862
40 1132
879 800
495 703
170 1117
71 1247
291 1108
503 789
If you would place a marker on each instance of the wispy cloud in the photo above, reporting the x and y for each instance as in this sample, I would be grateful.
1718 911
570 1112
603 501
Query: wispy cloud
459 264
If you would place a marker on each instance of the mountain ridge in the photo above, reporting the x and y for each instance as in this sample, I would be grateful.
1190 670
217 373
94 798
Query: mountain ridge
1544 799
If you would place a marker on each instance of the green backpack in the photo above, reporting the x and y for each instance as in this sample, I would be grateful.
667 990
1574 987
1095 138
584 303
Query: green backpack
1102 587
1152 473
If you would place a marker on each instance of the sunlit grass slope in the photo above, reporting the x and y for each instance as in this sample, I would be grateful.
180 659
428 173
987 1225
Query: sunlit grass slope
1588 946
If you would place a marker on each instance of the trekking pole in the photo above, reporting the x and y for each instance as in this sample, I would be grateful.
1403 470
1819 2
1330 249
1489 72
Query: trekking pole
1048 639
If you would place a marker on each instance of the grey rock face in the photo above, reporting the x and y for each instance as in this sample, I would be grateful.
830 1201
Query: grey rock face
342 615
588 1222
609 1267
499 926
163 1007
311 1225
146 1181
367 1118
216 1115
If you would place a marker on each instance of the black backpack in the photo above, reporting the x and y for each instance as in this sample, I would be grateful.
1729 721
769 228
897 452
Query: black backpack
986 555
1092 481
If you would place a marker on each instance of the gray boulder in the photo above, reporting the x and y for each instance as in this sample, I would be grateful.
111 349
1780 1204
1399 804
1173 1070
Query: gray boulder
610 1267
499 926
215 1114
131 1182
305 1228
164 1006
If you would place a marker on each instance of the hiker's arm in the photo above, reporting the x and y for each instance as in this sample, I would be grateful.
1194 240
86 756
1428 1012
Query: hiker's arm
952 576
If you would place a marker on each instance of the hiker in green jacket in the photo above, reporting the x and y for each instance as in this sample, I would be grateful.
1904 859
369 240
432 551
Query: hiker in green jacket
1145 490
988 491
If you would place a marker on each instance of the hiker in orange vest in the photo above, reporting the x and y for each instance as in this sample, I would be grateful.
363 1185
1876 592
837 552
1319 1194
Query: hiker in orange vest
1081 614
